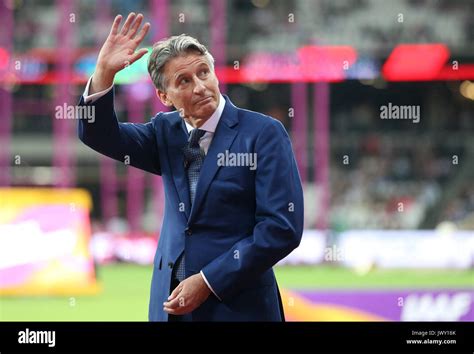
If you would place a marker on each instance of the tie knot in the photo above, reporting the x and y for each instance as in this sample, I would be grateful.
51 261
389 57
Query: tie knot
195 135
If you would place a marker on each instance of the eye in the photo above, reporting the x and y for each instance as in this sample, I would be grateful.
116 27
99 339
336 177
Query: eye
204 72
183 81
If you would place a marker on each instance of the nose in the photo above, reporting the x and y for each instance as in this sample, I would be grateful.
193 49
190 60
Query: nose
199 87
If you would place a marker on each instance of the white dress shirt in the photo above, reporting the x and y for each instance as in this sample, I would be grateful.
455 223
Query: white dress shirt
204 142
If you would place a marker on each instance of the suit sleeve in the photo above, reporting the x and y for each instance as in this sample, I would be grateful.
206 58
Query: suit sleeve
279 217
130 143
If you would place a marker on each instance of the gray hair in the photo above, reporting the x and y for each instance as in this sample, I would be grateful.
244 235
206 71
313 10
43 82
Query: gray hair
170 48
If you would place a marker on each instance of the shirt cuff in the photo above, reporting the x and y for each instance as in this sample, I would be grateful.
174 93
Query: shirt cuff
95 96
209 286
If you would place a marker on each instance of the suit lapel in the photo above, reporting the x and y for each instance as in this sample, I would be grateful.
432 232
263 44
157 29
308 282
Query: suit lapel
223 137
177 140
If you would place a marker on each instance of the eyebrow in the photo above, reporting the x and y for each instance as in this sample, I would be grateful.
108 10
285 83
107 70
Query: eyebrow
179 77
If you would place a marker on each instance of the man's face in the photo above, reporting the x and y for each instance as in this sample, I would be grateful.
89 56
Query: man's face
191 86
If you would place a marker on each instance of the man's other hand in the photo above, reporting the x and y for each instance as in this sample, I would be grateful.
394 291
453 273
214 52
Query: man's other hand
187 296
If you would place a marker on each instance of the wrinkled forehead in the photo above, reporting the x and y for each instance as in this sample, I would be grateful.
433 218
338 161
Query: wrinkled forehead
183 63
189 58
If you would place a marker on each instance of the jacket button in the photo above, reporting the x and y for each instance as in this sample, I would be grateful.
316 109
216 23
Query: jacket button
188 231
170 264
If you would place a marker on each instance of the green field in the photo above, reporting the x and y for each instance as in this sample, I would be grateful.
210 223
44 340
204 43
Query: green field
125 291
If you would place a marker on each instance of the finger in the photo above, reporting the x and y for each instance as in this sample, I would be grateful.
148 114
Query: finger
178 311
127 23
135 25
175 292
138 55
173 304
173 311
116 24
139 37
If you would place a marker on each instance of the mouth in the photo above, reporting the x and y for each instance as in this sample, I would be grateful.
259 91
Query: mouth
204 100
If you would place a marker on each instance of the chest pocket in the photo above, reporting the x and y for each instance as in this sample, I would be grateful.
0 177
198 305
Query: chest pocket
226 173
238 173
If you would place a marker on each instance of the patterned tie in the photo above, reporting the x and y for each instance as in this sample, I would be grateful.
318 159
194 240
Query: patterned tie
193 159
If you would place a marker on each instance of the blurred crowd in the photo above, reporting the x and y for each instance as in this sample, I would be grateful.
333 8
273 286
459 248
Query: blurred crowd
372 26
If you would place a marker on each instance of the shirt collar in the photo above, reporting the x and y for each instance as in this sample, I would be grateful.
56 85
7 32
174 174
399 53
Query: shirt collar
211 124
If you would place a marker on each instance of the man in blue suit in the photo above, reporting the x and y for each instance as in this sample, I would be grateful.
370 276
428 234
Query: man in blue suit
234 201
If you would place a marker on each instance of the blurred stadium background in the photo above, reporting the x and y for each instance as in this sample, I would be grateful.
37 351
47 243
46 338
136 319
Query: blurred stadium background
389 203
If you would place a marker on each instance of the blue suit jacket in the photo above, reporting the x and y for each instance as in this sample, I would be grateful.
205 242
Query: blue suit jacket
242 221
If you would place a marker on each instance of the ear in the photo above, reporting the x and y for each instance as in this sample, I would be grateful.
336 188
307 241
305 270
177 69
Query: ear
163 98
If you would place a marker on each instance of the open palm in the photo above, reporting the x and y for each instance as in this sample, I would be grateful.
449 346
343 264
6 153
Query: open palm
119 50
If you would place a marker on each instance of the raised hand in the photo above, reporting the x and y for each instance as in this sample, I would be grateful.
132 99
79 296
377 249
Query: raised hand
119 50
